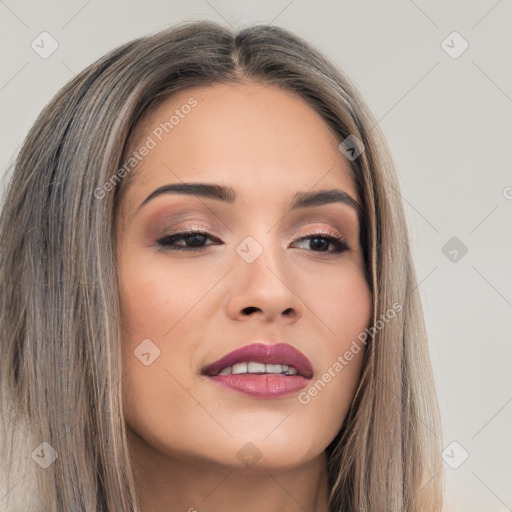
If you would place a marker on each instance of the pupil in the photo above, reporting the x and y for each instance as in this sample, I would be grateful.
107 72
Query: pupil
314 242
196 239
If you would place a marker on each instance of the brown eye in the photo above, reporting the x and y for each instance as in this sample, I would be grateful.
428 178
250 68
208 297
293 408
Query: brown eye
185 241
320 242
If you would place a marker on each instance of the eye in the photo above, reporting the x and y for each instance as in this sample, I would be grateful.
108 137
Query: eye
194 240
191 240
320 242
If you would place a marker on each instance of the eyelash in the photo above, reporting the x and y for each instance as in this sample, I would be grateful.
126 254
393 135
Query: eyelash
165 243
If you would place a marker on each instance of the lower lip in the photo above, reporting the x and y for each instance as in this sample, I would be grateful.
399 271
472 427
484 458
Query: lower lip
261 386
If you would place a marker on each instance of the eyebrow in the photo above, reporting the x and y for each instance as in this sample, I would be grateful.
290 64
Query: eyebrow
228 194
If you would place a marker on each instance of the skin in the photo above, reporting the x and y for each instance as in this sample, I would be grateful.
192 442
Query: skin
186 434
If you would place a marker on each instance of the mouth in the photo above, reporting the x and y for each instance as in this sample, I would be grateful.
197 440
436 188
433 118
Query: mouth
258 368
261 370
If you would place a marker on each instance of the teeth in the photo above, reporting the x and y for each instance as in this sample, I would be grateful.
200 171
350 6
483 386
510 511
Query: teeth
256 368
252 367
239 368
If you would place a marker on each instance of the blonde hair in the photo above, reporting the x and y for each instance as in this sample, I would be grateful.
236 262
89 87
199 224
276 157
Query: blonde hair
60 335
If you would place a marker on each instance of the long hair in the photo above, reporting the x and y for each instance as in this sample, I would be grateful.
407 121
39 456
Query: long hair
60 330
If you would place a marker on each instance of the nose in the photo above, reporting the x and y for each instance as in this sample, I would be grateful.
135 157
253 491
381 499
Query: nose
263 289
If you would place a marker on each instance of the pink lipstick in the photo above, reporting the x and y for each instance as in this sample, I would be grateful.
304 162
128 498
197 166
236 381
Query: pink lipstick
262 371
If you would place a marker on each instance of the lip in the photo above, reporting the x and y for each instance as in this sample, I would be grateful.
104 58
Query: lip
280 353
262 385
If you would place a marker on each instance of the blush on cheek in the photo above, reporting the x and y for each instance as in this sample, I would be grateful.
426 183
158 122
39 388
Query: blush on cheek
346 303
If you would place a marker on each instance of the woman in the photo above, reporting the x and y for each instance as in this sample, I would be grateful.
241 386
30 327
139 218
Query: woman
207 295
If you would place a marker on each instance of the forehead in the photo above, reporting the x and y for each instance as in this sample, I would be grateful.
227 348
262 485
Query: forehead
259 139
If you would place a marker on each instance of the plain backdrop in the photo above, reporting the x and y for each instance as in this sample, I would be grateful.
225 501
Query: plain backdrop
437 76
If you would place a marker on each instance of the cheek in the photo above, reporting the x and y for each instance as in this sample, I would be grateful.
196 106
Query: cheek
344 308
342 301
157 293
161 301
158 304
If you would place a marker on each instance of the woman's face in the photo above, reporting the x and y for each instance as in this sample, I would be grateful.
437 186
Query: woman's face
252 277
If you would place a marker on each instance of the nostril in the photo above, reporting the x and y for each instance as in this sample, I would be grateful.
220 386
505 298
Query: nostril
250 310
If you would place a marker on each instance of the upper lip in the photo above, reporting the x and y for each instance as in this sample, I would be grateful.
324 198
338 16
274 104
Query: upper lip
280 353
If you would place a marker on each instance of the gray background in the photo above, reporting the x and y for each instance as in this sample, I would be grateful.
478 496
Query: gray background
448 123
